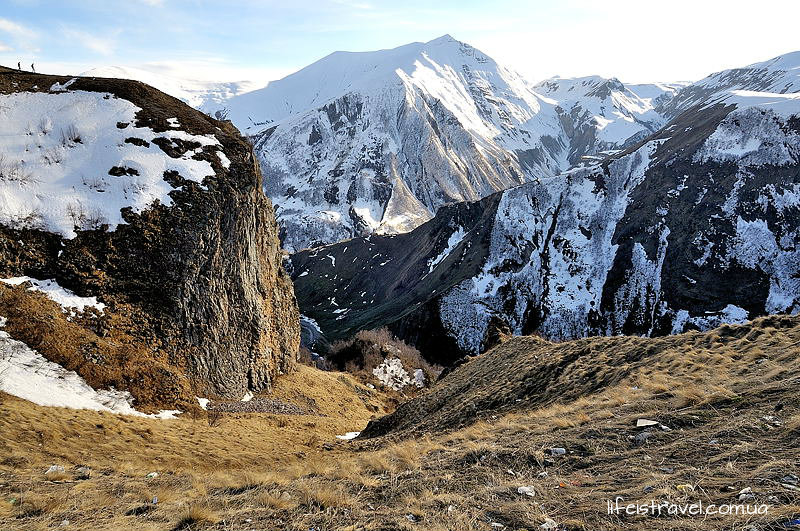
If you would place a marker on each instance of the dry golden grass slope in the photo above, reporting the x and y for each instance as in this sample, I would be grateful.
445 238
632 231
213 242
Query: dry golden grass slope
452 459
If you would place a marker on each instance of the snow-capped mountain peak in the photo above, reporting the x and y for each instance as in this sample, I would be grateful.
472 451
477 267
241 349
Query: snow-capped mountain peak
362 142
443 67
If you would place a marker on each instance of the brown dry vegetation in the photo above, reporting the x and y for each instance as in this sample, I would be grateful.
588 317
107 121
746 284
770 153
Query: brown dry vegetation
100 348
368 348
730 401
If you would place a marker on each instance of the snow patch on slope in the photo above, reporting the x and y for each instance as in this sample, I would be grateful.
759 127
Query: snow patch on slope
56 151
525 266
28 375
393 375
755 134
64 297
452 243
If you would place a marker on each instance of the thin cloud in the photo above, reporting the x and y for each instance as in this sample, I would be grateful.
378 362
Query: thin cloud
97 44
15 29
17 37
354 4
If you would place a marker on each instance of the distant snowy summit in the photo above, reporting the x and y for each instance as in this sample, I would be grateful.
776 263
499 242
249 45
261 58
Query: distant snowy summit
363 142
207 96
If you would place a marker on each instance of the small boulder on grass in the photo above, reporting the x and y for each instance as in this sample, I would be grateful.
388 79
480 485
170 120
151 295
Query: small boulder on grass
527 491
55 469
56 473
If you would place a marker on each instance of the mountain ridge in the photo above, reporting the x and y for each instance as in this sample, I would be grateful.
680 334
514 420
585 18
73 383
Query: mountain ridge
692 226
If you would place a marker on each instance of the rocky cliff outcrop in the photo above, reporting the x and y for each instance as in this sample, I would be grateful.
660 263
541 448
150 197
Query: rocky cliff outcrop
118 191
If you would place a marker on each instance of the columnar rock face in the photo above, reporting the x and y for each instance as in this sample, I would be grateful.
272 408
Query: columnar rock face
696 225
118 191
377 142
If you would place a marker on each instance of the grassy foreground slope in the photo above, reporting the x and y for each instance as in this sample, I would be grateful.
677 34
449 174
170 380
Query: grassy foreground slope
453 458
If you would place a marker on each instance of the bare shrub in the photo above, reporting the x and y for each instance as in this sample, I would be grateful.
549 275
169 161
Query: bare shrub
70 136
214 418
77 213
53 155
14 172
34 219
95 183
45 125
94 220
306 357
369 348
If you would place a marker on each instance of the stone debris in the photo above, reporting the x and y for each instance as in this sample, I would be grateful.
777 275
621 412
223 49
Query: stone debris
746 494
641 438
549 525
790 479
527 491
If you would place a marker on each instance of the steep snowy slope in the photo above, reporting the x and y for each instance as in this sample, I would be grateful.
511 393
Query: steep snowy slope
208 96
368 142
63 168
696 225
779 75
600 115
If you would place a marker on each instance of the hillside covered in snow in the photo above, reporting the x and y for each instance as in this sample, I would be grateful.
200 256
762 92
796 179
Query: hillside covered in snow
207 96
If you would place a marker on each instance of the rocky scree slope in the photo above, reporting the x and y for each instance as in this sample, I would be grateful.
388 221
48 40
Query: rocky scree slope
696 225
120 192
377 142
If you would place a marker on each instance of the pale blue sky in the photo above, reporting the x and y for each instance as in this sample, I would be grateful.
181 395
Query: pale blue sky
635 40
